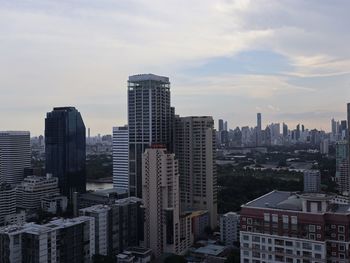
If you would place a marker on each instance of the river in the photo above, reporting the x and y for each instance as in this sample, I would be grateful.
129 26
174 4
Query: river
98 186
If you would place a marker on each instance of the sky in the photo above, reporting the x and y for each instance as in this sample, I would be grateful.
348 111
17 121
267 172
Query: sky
289 60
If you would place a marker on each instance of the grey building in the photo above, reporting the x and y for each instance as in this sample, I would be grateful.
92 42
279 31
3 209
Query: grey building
195 150
150 121
7 201
121 157
15 155
312 181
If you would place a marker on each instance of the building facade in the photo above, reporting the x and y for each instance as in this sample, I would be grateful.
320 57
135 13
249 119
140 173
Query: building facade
7 201
161 200
290 227
312 181
229 228
149 121
59 241
195 150
65 149
342 167
15 155
33 189
121 157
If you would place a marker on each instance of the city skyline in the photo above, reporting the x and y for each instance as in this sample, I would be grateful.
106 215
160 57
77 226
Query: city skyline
286 60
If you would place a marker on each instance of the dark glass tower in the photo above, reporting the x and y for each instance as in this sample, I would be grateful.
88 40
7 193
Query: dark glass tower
65 149
150 122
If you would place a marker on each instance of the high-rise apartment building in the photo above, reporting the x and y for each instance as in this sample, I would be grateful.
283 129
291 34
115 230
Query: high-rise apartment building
65 149
195 150
221 125
160 183
312 181
15 155
342 167
290 227
121 157
149 120
33 189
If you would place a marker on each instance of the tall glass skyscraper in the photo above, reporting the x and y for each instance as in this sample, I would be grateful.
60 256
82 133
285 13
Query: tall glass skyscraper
65 149
150 122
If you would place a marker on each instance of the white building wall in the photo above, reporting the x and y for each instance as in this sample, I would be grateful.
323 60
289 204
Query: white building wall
121 157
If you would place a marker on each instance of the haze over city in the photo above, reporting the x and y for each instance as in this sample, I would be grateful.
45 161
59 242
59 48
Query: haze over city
228 59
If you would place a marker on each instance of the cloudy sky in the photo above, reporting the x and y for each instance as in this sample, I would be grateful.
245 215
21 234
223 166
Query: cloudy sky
289 60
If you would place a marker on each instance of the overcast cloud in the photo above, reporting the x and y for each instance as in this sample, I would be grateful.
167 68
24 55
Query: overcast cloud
288 59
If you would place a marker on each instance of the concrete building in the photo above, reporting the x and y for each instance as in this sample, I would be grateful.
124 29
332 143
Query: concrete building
324 147
121 157
101 215
62 240
54 204
342 167
161 200
15 155
150 118
289 227
195 150
33 188
312 181
101 197
7 201
229 228
117 226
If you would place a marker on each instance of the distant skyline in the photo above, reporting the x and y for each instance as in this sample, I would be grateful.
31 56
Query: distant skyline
289 60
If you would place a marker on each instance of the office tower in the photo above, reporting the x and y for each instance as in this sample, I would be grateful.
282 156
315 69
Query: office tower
149 121
312 181
258 129
7 202
33 189
15 155
117 226
121 157
289 227
229 228
342 167
195 150
66 149
61 241
334 129
160 196
226 126
221 125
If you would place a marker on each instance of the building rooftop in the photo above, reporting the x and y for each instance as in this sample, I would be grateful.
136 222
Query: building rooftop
143 77
294 201
213 250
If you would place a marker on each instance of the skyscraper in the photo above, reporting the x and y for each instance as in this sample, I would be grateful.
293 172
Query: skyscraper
65 149
195 150
160 182
15 155
149 120
121 157
258 129
221 125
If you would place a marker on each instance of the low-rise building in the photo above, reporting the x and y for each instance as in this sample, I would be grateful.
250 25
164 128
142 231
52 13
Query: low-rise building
229 228
7 201
291 227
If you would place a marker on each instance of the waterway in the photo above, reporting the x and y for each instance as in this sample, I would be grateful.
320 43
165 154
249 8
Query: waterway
98 186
